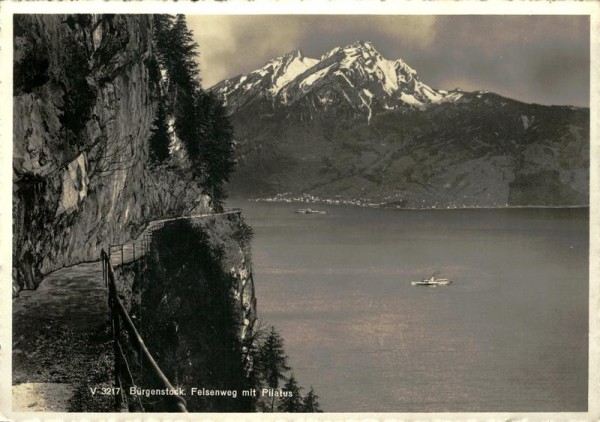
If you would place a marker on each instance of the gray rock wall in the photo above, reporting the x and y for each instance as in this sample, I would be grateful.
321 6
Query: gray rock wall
85 95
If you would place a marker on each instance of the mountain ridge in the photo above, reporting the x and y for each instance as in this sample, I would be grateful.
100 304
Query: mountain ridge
361 74
357 127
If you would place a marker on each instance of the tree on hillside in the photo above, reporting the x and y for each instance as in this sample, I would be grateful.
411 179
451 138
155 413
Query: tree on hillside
159 138
184 67
177 54
294 402
201 120
310 403
184 80
271 361
216 149
163 24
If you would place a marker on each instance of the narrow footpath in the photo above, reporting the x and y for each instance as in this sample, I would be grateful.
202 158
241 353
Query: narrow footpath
62 345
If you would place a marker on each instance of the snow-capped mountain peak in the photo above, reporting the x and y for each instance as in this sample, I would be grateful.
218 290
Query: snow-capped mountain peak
356 75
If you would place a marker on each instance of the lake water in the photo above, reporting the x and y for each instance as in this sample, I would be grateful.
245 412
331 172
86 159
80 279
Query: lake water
511 333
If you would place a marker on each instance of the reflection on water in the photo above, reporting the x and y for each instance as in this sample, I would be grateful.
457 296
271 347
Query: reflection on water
510 334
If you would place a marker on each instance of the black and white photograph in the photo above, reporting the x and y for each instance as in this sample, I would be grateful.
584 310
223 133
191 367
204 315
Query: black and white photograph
221 211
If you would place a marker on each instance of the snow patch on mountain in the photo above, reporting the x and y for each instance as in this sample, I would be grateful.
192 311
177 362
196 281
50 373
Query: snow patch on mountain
286 68
452 96
367 102
410 99
307 82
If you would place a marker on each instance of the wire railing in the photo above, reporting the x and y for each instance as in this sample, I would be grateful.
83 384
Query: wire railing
123 377
126 336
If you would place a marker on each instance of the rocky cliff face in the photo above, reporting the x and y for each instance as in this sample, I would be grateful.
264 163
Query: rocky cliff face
85 94
228 237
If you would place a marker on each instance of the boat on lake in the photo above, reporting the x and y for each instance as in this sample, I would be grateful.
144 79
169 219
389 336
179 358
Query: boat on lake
432 282
309 211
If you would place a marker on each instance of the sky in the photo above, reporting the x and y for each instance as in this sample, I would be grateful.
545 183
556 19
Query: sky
536 59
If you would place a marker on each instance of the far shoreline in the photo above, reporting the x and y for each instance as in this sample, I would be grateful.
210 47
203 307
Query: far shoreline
387 206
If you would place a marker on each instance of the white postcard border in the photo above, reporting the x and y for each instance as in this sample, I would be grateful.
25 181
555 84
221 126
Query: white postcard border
435 7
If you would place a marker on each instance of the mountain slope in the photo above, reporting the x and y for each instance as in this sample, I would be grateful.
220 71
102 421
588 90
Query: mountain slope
358 127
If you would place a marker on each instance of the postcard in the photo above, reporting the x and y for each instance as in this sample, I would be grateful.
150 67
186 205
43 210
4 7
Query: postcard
290 210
